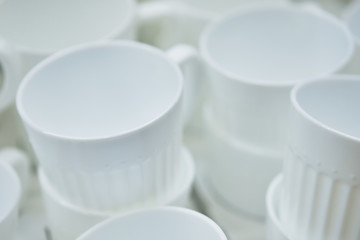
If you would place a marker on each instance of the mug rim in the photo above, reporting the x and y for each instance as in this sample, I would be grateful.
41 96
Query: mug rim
89 46
168 209
208 30
300 110
11 175
274 188
130 15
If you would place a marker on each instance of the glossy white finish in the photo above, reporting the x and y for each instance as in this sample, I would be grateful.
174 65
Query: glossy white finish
105 135
20 162
33 30
159 223
67 221
10 194
239 173
321 197
236 224
255 56
39 28
275 229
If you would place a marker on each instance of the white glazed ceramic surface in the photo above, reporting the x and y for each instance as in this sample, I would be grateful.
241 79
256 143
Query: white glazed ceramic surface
33 30
275 229
255 56
321 197
20 162
67 221
159 223
105 135
38 28
239 173
236 224
10 194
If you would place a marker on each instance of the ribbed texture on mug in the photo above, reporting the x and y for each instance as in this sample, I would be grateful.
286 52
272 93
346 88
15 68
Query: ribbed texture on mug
113 189
317 206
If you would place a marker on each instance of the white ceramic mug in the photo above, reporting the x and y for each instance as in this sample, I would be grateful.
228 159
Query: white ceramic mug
158 223
255 56
321 172
67 222
31 31
34 30
105 122
10 194
39 28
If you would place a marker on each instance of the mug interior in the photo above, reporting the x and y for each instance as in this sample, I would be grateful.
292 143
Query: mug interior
160 224
276 44
9 190
99 90
46 26
332 103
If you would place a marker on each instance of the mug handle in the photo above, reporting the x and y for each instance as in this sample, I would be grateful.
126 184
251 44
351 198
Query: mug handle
11 71
151 16
158 17
20 162
189 61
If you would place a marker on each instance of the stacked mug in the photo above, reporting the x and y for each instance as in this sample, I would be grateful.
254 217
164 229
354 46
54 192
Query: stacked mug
253 58
104 120
32 31
318 196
